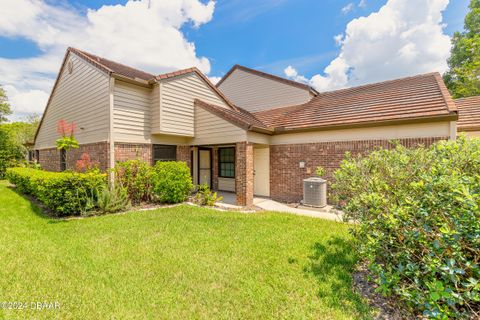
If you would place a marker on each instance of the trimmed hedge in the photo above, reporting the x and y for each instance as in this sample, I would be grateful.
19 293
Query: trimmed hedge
64 193
418 223
172 182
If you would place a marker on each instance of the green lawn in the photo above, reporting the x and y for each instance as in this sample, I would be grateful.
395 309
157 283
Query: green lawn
180 263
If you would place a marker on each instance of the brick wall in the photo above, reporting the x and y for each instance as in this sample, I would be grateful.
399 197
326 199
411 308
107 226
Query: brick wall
286 176
50 158
244 173
97 151
184 153
132 151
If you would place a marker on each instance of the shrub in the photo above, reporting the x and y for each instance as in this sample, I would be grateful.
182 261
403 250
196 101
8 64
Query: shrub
65 193
418 223
171 181
205 197
111 201
136 177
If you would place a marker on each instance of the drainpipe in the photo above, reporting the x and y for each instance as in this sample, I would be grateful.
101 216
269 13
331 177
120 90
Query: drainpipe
111 143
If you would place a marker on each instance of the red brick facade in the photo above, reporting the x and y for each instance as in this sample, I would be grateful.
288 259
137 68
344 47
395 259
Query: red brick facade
49 159
244 173
132 151
184 153
286 176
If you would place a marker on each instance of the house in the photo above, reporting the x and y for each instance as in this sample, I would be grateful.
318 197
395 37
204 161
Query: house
469 116
252 134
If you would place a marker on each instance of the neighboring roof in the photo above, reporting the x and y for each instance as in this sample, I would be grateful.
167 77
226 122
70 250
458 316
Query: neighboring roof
112 66
408 99
238 117
468 113
268 76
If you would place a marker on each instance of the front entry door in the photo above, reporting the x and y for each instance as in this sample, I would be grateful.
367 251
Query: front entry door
261 169
205 167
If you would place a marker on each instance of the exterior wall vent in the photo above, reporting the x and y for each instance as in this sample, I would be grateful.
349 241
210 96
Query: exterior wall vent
315 192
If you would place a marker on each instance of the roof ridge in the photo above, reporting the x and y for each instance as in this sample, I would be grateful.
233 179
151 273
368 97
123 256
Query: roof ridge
90 56
451 106
267 75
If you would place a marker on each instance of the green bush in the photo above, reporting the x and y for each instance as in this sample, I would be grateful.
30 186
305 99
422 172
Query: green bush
136 177
65 193
417 220
10 153
205 197
111 201
171 181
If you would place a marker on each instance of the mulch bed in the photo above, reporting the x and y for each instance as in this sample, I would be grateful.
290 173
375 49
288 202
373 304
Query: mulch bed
386 307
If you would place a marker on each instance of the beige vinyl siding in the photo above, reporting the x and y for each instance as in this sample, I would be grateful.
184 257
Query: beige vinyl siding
176 103
155 124
226 184
254 93
417 130
82 97
132 113
211 129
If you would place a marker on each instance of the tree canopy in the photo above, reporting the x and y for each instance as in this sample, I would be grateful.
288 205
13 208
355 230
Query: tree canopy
463 76
4 106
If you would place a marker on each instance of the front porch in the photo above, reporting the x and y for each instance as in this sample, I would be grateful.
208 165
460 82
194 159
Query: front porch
242 168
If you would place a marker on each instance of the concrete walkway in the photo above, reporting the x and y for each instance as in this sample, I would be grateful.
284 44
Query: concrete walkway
327 213
229 200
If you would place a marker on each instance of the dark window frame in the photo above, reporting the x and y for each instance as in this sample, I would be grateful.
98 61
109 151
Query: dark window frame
220 175
155 159
63 160
37 155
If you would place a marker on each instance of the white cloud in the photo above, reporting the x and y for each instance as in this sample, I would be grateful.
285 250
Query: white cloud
214 80
362 4
145 36
398 40
338 39
291 73
348 8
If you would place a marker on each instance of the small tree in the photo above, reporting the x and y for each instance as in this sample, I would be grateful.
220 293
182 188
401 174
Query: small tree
67 140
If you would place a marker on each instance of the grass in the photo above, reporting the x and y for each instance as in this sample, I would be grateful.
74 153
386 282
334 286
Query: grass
177 263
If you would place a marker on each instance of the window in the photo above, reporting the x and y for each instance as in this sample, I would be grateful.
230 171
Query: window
164 153
37 155
226 162
63 160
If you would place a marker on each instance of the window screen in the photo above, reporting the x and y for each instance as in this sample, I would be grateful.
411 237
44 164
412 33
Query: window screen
226 162
164 153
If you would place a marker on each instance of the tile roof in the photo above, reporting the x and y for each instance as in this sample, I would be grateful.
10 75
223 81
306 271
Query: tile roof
407 99
267 75
239 117
112 66
468 113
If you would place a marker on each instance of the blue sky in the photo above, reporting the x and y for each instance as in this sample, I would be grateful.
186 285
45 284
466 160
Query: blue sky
269 35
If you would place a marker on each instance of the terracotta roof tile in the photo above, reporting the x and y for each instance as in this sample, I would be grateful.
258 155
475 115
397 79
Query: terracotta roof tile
402 99
267 75
468 113
112 66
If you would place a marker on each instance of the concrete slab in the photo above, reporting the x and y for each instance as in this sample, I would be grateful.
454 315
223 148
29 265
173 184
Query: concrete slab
328 213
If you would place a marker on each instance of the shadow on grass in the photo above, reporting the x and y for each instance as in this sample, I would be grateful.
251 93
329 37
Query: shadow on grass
37 207
332 264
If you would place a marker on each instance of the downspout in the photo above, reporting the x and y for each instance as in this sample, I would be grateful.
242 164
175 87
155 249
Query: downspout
111 143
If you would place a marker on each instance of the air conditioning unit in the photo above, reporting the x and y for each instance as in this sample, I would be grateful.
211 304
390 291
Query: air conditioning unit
315 192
